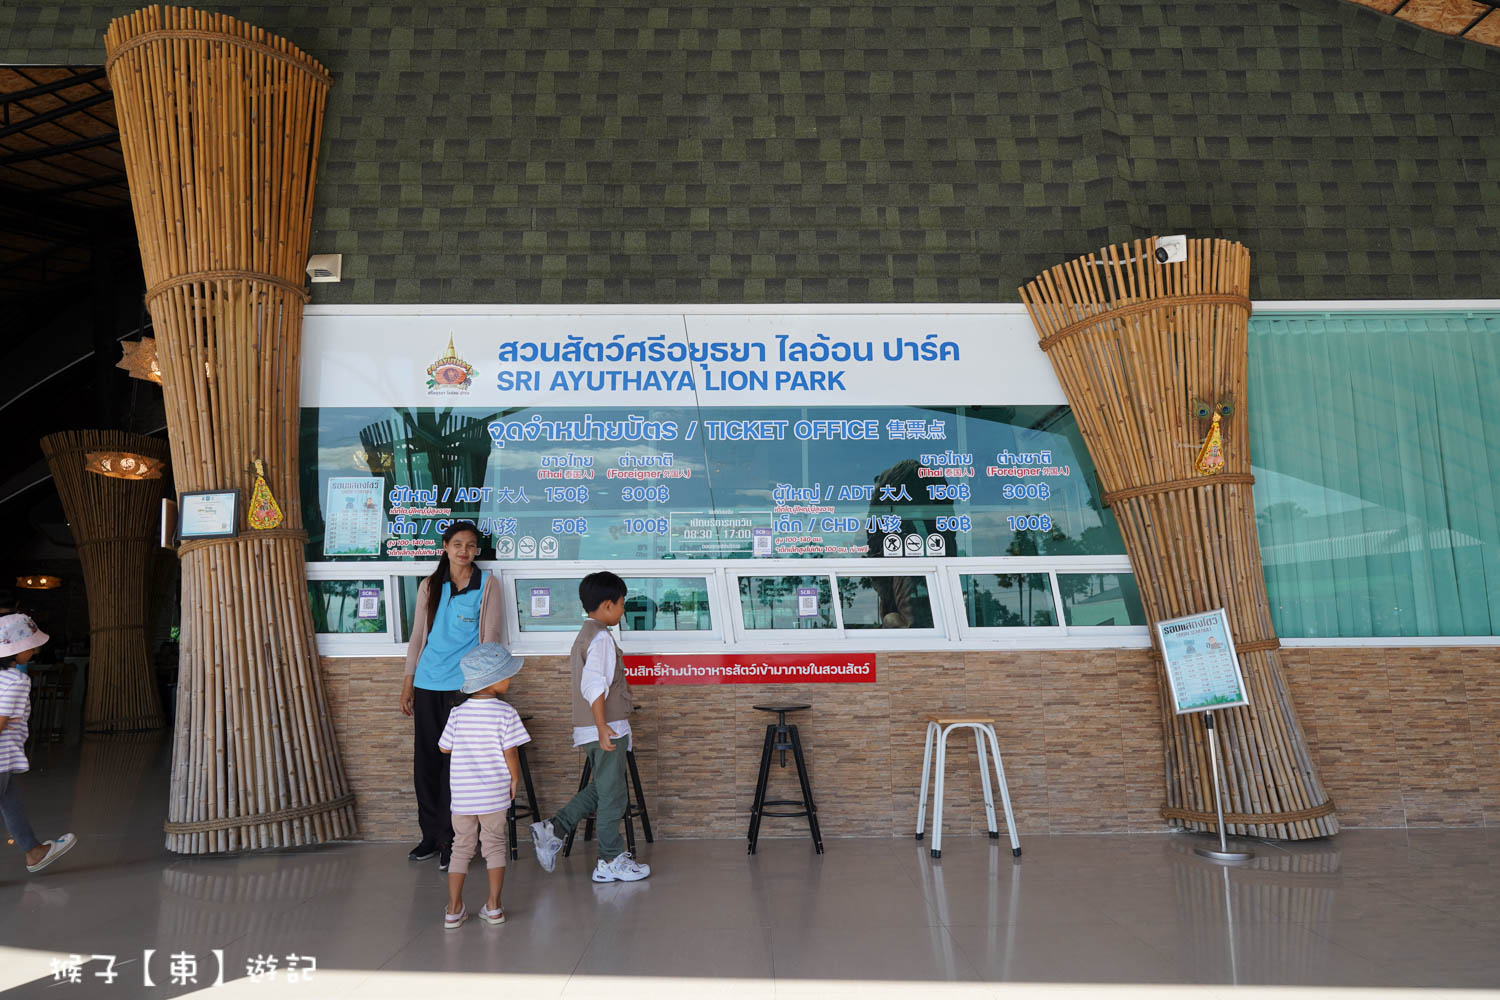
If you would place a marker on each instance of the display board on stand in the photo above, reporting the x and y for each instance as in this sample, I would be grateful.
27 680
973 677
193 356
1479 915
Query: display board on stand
1203 672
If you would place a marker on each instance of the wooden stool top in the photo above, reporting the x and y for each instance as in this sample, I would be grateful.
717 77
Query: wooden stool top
952 720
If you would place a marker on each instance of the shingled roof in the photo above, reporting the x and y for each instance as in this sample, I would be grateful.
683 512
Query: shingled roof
785 152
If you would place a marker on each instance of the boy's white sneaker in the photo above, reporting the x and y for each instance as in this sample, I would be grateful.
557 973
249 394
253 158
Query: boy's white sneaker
546 844
623 868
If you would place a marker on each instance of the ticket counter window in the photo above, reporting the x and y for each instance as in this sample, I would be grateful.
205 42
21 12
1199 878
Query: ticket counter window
1100 599
652 604
885 602
786 602
347 607
1008 600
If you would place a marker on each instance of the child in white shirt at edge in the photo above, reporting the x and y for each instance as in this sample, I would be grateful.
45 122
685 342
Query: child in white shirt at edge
19 641
482 735
601 710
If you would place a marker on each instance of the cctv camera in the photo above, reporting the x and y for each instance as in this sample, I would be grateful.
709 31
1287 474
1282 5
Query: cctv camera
1171 249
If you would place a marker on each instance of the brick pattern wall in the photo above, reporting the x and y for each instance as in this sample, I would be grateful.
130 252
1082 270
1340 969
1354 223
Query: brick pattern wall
1404 737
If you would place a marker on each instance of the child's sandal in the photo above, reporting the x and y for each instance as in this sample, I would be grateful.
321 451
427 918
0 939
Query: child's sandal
492 917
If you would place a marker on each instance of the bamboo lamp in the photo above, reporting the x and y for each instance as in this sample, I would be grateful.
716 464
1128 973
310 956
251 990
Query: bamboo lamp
219 126
1134 342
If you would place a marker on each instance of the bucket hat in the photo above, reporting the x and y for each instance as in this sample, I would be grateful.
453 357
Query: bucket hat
19 633
487 663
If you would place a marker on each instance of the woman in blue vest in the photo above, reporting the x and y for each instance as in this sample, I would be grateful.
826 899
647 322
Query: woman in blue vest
457 608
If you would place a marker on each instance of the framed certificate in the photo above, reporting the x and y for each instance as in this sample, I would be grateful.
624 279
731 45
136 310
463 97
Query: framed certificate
1202 667
210 514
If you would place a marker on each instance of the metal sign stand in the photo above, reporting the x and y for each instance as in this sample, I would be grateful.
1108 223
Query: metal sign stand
1223 853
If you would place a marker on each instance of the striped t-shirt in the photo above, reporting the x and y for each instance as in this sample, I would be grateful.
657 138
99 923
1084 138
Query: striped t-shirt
15 705
478 733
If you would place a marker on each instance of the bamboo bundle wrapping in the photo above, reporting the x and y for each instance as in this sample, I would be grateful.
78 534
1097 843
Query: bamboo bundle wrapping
219 125
1132 341
115 524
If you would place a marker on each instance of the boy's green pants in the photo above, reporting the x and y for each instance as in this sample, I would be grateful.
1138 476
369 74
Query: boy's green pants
604 795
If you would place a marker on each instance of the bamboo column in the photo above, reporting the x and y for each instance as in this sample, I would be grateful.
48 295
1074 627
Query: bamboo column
1133 341
115 524
219 125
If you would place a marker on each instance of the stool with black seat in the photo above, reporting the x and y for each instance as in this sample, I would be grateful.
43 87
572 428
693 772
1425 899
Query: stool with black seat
634 808
530 809
781 736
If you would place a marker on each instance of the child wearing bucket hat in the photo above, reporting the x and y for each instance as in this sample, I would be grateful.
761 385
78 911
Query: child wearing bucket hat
481 735
19 641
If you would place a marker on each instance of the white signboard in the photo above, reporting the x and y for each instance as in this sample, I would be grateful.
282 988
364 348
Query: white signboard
541 602
501 359
354 517
807 602
1202 668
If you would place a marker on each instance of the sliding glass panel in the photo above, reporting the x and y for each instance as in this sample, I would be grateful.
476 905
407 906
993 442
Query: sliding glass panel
652 604
1100 599
786 602
885 602
347 607
1008 600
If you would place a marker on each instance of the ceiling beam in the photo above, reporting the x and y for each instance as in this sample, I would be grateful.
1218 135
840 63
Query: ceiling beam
63 150
51 88
70 108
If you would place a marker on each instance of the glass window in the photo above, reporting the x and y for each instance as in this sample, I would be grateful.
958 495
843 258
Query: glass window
347 607
885 602
921 481
1008 600
786 602
652 604
667 604
1100 599
406 587
1377 476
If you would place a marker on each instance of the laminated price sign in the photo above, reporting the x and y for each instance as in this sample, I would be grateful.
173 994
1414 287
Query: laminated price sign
1202 668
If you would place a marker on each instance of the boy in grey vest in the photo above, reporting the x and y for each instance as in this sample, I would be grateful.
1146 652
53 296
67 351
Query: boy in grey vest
601 726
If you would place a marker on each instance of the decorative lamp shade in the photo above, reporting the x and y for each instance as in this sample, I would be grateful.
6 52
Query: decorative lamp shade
40 581
123 465
140 359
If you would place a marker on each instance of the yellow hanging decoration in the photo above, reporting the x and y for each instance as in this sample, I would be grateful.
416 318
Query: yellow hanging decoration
265 512
1211 456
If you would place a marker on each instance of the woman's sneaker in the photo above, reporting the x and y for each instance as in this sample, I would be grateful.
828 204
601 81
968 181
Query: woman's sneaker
546 844
623 868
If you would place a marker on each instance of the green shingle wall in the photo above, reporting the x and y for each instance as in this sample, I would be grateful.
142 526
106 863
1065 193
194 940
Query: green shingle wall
708 152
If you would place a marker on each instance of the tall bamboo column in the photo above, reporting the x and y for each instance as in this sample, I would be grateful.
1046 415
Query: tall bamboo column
1133 341
219 124
115 524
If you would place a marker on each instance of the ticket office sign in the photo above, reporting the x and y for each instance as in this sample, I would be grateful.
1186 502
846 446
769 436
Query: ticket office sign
1202 667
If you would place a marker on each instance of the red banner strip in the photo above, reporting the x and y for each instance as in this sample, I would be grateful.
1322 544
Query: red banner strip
730 668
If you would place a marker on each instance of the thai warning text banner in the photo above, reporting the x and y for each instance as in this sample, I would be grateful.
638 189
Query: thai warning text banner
732 668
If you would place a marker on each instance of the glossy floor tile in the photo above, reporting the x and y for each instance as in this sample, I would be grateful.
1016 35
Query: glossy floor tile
1375 912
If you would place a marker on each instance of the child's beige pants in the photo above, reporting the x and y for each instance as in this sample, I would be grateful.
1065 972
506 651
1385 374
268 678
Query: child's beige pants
485 832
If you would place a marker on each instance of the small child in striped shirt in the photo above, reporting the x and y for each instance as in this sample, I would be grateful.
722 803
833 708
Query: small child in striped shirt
481 735
19 641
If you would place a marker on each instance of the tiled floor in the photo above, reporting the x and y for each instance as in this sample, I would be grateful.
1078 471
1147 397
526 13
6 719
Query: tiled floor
878 917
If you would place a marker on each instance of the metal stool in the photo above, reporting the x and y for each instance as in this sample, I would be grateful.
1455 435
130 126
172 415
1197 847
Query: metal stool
783 737
938 728
632 809
531 810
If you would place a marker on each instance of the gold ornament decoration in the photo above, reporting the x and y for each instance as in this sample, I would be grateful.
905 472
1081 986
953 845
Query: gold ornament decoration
265 512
